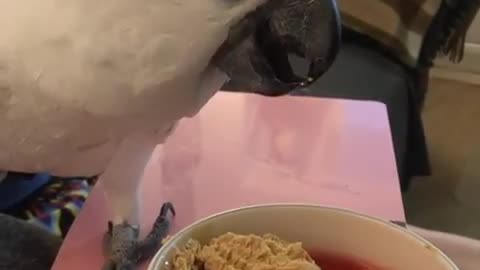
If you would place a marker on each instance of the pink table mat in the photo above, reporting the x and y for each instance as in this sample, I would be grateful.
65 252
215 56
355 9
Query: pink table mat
246 149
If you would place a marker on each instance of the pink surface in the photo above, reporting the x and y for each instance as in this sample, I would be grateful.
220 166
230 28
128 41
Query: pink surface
246 149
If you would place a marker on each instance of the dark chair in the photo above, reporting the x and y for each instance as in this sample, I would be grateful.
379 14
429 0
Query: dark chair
367 70
363 71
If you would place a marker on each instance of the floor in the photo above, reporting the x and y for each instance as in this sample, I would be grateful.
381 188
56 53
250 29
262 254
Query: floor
449 200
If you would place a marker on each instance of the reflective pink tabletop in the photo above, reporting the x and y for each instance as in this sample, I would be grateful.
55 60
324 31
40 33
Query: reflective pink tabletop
247 149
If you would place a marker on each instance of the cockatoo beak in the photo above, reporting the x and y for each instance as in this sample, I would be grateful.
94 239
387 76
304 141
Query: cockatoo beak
256 53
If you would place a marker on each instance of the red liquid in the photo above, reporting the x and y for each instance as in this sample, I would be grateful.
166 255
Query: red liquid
329 261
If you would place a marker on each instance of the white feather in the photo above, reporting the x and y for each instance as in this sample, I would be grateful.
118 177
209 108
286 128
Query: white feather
78 76
82 81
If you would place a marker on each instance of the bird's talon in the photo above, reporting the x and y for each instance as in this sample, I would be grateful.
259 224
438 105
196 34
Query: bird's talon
122 247
167 207
110 227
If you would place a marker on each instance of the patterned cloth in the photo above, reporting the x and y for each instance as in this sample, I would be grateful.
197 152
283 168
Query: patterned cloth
401 25
55 205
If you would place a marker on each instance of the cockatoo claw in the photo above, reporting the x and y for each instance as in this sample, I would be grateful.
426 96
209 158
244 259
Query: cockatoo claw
124 250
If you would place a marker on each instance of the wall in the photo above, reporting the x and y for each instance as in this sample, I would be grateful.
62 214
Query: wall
469 69
474 33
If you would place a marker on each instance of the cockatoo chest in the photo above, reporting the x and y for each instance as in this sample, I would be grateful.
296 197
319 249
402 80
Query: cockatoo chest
76 77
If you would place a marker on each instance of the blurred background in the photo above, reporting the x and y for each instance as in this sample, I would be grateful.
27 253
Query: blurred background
389 55
449 199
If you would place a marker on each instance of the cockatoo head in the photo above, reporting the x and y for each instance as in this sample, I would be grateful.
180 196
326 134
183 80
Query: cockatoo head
257 52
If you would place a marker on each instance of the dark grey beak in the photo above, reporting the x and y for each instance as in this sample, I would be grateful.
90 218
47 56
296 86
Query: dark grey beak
257 52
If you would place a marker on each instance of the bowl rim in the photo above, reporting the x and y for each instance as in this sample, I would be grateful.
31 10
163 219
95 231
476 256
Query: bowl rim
155 260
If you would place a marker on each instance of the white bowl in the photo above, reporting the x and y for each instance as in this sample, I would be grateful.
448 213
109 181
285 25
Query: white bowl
338 231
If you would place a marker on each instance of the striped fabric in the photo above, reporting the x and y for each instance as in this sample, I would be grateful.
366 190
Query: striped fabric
401 25
54 205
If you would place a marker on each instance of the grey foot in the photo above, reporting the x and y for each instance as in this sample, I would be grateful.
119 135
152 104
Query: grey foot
122 248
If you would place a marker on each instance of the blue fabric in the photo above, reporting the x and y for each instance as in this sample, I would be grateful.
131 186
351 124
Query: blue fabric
18 186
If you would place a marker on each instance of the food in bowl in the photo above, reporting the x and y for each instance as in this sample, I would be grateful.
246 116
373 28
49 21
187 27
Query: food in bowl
232 251
335 239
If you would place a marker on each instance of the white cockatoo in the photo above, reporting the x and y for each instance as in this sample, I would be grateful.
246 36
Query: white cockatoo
90 87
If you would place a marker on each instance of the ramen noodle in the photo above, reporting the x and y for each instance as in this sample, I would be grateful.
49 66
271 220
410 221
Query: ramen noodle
241 252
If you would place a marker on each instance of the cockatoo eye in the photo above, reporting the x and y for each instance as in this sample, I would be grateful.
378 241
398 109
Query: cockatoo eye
257 53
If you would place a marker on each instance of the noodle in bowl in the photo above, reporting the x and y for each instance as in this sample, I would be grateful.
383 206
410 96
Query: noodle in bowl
334 238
